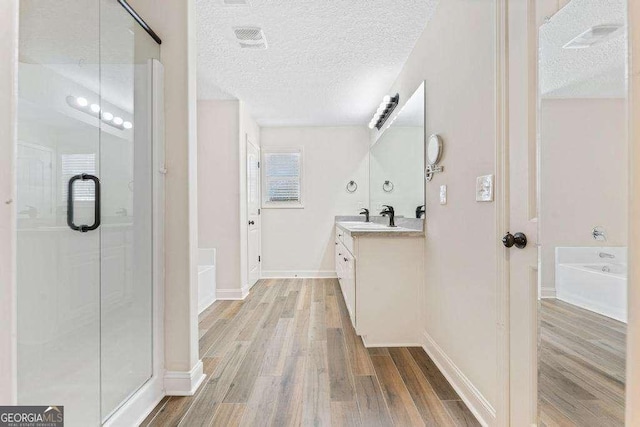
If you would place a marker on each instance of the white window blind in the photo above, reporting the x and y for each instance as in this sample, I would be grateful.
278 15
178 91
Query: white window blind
75 164
282 179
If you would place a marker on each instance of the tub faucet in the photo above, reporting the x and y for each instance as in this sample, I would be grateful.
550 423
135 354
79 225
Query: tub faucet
365 212
598 233
390 213
420 211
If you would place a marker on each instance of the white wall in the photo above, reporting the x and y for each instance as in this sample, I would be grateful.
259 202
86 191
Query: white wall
301 241
174 22
584 176
218 207
8 91
455 55
223 127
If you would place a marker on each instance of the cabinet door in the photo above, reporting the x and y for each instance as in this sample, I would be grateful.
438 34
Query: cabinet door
350 286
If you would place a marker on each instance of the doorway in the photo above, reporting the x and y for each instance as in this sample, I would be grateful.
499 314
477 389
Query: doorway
583 209
253 214
85 207
567 73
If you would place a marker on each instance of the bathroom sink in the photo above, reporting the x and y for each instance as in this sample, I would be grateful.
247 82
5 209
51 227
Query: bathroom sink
359 225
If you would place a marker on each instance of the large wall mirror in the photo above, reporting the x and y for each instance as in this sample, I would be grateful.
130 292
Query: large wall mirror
397 161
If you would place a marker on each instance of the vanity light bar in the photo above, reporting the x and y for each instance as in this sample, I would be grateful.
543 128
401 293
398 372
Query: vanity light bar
82 104
388 104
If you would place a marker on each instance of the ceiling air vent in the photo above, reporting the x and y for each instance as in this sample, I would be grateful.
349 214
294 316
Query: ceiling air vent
235 2
250 37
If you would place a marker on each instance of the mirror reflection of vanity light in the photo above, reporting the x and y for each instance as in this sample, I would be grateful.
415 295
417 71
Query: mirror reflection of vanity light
434 155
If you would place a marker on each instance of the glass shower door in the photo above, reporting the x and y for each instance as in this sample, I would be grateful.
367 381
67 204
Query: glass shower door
58 268
84 201
126 324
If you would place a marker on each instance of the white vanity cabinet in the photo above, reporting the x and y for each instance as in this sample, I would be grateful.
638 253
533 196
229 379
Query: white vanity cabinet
346 270
380 276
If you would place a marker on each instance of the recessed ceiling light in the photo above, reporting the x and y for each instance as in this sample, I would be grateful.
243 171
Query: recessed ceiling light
95 108
118 120
82 101
107 116
592 36
127 125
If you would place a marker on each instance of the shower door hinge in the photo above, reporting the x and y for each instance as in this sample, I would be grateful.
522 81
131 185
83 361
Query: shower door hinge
258 165
258 211
259 258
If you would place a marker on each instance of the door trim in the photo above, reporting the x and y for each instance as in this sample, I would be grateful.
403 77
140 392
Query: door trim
502 213
260 162
8 225
633 293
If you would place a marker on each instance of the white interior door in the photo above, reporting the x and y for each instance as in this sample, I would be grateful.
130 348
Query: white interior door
522 211
253 213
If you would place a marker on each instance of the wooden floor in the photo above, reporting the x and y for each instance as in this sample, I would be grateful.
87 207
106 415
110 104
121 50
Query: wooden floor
288 355
581 367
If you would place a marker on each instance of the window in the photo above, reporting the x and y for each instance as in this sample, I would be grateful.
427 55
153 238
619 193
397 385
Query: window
282 179
75 164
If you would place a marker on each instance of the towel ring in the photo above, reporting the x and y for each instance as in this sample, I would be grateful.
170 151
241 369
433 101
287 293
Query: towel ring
352 186
387 187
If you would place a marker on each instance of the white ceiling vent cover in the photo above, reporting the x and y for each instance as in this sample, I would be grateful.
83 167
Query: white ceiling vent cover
250 37
235 2
592 36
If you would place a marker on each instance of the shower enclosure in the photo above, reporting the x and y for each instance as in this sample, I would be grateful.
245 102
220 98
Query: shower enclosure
85 205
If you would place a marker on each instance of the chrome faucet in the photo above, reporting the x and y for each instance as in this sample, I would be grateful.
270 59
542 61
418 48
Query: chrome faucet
420 210
365 212
598 233
390 213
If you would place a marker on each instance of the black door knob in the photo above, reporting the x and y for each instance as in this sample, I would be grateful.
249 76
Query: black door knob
519 240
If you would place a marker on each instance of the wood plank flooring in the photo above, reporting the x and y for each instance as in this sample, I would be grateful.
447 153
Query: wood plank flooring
288 355
581 377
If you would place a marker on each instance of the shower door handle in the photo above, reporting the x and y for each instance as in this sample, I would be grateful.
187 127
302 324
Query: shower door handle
96 203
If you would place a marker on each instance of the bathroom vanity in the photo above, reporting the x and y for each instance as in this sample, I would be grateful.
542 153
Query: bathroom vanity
380 270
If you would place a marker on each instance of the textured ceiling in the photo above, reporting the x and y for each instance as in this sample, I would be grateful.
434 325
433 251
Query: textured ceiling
595 72
328 62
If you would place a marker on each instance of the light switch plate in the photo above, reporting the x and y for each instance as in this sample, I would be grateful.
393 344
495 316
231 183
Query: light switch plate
484 188
443 194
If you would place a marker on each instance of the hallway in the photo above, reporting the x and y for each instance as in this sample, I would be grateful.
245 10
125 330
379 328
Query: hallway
288 355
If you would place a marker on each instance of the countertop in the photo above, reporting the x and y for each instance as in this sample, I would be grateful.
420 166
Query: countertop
374 229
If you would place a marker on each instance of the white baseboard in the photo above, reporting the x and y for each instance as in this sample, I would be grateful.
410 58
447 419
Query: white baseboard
387 344
136 409
232 294
182 383
547 293
318 274
475 401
